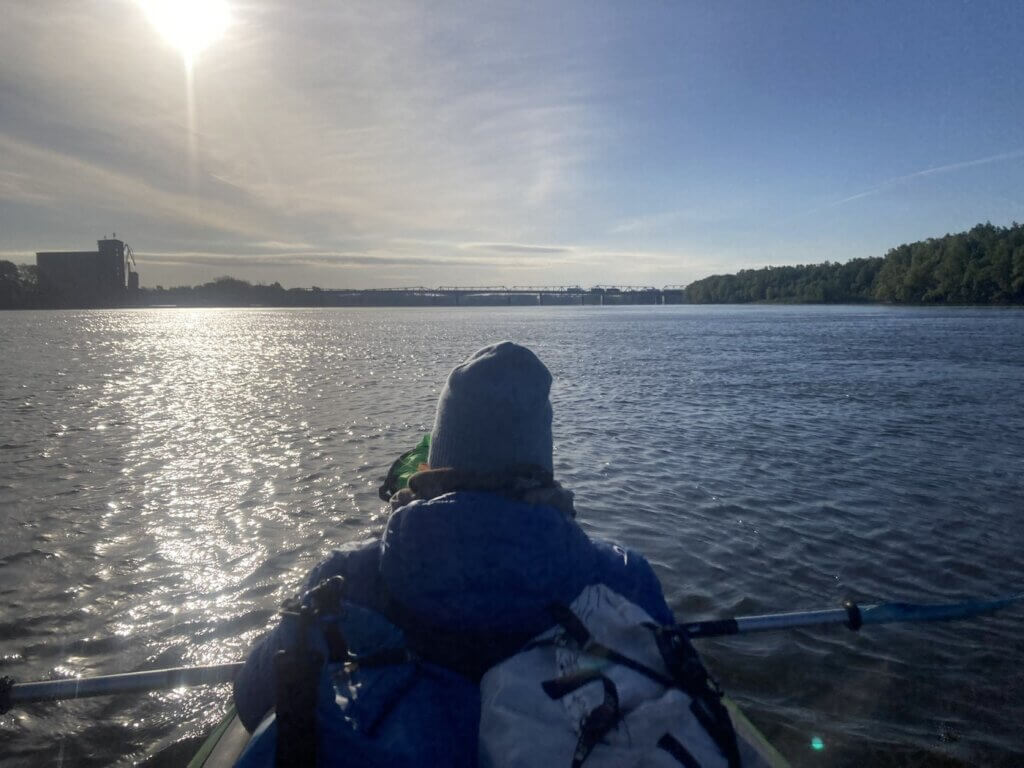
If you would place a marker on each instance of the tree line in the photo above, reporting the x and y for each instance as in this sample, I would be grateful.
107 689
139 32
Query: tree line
982 266
231 292
19 289
19 286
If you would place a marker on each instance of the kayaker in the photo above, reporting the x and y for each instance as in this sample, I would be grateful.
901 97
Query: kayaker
479 546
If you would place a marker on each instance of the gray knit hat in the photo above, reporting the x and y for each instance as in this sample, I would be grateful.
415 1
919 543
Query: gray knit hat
494 412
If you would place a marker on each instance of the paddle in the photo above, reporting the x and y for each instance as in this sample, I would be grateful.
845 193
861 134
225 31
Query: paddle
850 614
12 693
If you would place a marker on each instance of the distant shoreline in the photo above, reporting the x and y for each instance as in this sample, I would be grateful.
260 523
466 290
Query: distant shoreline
981 267
892 304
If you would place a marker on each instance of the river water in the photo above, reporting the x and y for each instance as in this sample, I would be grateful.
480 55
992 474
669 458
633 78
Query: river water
168 476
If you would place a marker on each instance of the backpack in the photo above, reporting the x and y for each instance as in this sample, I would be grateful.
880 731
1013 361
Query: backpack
606 686
351 694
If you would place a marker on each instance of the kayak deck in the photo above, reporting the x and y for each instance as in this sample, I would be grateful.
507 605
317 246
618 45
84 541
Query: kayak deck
224 746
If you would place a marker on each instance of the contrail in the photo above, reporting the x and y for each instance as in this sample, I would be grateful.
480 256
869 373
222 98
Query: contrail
928 172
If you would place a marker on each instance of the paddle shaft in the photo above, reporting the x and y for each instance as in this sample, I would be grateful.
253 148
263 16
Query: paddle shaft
746 624
131 682
852 615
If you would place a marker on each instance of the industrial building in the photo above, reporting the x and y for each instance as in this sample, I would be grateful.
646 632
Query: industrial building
102 278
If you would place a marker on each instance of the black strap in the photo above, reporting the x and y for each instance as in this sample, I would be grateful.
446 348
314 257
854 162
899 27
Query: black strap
563 686
597 723
326 599
690 675
571 623
716 628
682 661
675 748
854 619
575 628
297 676
327 596
6 686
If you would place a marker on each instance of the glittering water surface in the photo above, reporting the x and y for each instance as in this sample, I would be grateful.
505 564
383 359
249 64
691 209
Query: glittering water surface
167 477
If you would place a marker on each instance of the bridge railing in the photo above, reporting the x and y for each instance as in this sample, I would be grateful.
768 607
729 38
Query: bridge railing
564 289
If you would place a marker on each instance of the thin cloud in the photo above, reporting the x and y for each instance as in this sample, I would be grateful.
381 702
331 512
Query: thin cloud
661 220
645 223
284 260
21 188
277 245
346 260
518 248
63 179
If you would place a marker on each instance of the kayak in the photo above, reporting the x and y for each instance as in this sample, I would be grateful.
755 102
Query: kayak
225 744
747 731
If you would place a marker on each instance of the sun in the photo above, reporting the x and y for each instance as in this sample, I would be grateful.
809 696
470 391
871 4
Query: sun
189 25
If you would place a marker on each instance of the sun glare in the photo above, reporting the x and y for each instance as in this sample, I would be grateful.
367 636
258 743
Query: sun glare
189 25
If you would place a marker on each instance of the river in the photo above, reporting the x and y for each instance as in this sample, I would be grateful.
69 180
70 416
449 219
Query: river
168 476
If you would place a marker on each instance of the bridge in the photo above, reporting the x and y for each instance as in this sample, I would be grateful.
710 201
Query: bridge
460 295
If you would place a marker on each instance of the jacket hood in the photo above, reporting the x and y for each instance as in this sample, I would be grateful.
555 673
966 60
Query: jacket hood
479 562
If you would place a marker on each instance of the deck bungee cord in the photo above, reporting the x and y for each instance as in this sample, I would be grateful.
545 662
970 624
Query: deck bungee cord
850 615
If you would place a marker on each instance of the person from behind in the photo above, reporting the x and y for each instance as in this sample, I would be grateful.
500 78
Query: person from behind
477 551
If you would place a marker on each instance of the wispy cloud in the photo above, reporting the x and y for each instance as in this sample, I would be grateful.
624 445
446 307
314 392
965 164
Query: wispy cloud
277 245
18 187
58 178
650 222
517 248
329 260
338 259
662 222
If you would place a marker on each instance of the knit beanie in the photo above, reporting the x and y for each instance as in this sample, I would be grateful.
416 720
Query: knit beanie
494 413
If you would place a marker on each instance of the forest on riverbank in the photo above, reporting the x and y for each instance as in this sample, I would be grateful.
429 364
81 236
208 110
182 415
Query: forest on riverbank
982 266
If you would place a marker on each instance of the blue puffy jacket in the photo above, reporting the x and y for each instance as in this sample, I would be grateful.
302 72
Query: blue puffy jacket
469 577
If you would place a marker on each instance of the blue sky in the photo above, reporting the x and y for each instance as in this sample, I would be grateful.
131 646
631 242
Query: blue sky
374 144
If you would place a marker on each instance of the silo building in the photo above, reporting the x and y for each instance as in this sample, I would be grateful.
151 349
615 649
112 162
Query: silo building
98 278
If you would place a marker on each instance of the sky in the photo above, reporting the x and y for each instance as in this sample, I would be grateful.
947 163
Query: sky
375 144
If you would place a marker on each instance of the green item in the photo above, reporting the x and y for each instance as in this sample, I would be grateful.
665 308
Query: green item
404 467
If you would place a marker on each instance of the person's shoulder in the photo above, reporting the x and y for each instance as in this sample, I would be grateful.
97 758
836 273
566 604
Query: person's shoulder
631 575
